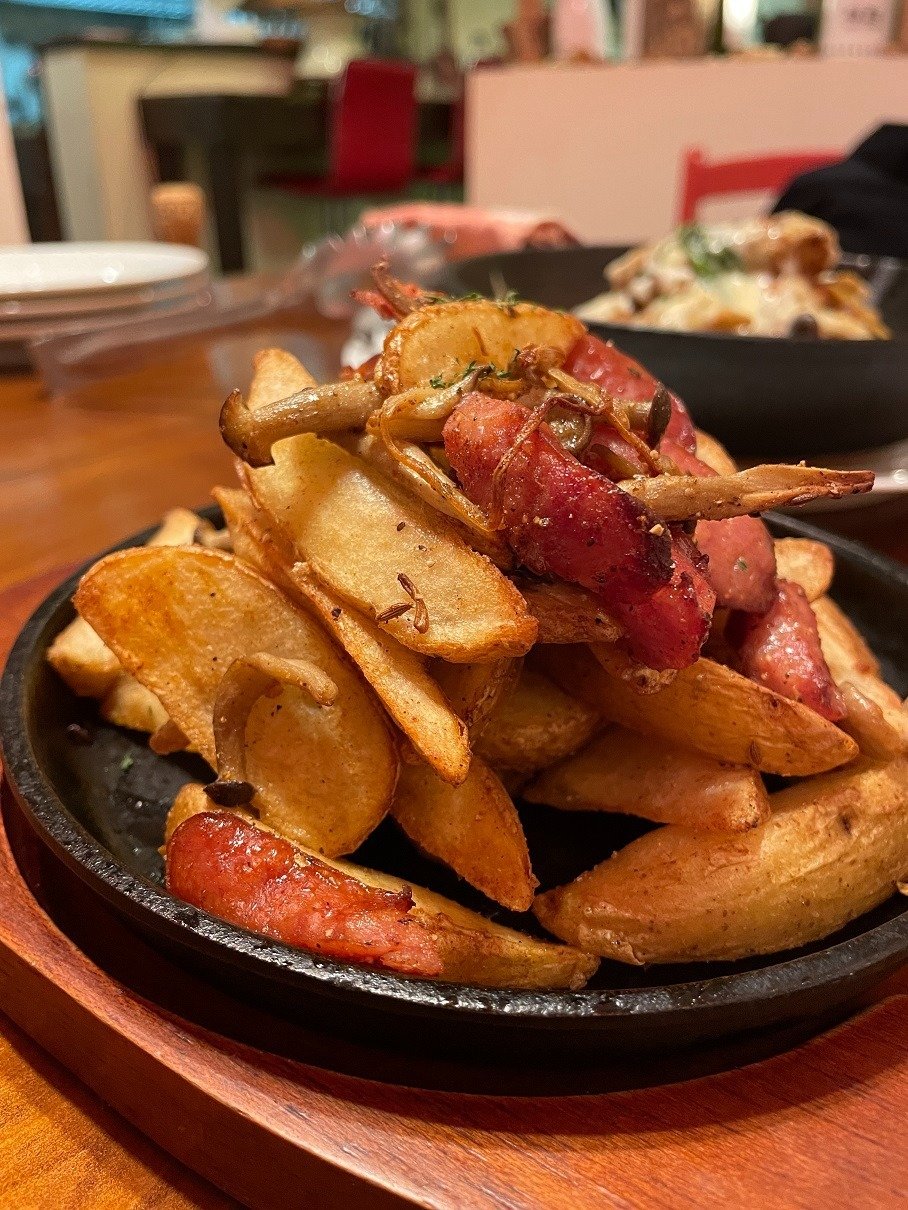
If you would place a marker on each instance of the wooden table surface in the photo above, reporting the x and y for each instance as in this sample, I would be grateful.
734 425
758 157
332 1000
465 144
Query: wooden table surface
76 475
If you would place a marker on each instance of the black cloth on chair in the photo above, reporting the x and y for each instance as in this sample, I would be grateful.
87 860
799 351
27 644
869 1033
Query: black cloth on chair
865 196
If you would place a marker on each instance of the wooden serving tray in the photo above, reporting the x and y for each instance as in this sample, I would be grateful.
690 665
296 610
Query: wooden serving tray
821 1126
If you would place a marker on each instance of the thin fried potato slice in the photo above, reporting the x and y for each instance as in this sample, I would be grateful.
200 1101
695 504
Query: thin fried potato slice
834 847
693 497
711 709
567 613
471 949
805 562
177 618
474 690
535 725
441 341
876 716
843 646
473 828
390 555
129 704
632 774
714 454
398 676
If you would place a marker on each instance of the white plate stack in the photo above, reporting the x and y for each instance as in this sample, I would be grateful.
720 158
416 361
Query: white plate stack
53 289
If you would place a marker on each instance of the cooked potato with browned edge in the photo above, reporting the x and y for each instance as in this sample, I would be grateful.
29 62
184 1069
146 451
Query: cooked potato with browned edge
712 709
473 949
474 690
91 669
834 847
472 828
325 501
177 617
535 725
805 562
638 775
441 341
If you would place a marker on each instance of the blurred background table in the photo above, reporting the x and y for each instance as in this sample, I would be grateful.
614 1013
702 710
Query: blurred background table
78 474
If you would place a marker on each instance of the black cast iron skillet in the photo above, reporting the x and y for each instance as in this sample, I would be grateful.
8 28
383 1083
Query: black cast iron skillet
761 396
100 810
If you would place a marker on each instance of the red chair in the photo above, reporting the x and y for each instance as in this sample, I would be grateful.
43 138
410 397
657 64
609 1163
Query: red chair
704 178
371 134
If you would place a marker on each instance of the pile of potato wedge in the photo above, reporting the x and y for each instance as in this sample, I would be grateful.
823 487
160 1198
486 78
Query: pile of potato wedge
357 643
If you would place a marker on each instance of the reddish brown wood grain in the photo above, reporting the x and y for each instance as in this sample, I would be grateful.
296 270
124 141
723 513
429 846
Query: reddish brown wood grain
821 1126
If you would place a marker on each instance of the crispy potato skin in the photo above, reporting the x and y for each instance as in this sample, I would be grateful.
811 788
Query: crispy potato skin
633 774
535 725
444 339
473 828
712 709
834 847
843 646
805 562
81 657
324 500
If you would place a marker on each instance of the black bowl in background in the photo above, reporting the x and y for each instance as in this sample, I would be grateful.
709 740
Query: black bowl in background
761 396
100 811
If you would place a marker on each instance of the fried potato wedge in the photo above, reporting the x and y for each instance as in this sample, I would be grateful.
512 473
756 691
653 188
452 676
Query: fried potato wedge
567 613
406 690
470 948
82 658
714 454
90 668
834 847
276 375
693 497
399 677
843 646
535 725
474 690
711 709
177 618
473 828
129 704
441 341
875 716
385 552
805 562
622 771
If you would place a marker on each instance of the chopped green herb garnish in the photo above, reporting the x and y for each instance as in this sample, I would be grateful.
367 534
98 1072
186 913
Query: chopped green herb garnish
740 565
126 763
707 260
437 381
